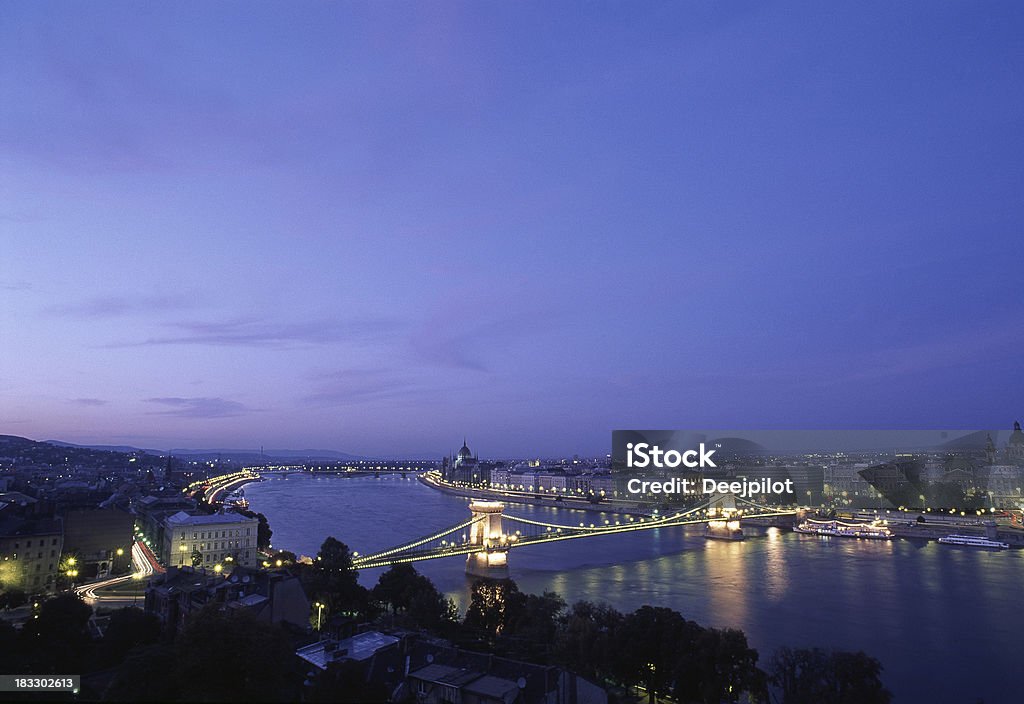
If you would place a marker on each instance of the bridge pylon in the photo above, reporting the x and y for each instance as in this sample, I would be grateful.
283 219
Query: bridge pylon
491 560
723 524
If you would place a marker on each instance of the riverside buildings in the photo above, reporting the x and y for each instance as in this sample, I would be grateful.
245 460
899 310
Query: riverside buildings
209 540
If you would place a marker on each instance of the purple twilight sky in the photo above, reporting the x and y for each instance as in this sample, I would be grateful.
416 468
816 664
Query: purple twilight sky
380 226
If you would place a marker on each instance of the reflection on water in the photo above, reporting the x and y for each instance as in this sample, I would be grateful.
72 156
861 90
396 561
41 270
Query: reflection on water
776 577
921 608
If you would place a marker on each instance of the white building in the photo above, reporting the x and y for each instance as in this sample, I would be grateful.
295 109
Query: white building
211 539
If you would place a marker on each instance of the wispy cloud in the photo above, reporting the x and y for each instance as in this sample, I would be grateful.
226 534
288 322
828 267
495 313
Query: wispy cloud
88 401
467 342
257 333
118 305
977 346
352 386
198 407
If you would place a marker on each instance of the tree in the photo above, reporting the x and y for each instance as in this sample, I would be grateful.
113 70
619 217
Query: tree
414 599
345 682
727 669
806 676
197 558
650 642
13 598
58 640
537 620
285 557
9 646
127 629
585 642
146 675
334 581
232 656
263 532
396 587
492 605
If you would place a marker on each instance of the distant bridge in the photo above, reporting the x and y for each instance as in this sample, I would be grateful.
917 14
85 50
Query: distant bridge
486 543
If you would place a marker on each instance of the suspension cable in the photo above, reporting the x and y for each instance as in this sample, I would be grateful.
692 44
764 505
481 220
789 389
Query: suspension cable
421 541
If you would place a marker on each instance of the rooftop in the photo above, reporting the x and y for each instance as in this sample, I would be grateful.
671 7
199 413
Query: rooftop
359 647
217 518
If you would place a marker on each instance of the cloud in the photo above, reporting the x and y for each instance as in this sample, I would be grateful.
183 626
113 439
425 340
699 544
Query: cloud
15 286
361 385
198 407
463 343
981 345
88 401
117 306
256 333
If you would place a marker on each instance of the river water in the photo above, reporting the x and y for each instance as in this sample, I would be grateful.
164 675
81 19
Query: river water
947 623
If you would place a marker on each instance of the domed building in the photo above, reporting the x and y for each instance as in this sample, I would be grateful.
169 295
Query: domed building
464 455
463 466
1015 445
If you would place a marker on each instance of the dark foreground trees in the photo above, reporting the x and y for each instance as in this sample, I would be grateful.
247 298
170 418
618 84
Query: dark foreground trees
815 676
332 580
413 600
226 656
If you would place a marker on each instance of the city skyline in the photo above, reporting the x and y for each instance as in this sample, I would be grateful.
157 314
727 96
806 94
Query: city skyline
377 229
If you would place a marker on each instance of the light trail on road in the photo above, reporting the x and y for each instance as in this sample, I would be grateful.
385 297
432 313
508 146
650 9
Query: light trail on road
144 565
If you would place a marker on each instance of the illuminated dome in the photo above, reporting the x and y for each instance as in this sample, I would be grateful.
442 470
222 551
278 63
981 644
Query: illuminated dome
464 453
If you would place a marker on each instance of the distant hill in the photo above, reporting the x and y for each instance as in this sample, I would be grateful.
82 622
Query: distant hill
49 453
236 455
106 448
226 454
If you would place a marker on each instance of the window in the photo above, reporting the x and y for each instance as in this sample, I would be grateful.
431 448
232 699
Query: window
28 543
54 542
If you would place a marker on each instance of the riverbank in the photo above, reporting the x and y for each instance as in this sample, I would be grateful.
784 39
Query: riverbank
1014 537
228 487
567 502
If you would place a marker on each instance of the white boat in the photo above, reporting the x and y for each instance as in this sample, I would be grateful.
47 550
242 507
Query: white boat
875 530
973 541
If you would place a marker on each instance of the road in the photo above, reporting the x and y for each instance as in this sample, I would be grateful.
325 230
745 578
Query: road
144 564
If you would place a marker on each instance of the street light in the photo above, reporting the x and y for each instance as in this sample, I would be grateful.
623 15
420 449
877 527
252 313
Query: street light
319 613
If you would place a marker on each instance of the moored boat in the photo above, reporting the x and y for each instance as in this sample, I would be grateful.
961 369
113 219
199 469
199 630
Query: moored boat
974 541
874 530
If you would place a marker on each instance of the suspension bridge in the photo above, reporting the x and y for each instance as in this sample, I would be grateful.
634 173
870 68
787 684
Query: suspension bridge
489 534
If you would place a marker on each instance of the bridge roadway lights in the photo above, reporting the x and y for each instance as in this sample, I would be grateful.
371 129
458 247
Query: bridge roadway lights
491 561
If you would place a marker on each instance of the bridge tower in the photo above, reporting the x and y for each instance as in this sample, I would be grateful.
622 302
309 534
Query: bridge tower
723 524
491 560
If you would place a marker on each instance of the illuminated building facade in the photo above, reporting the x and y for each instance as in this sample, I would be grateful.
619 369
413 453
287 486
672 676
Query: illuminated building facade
207 541
30 553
